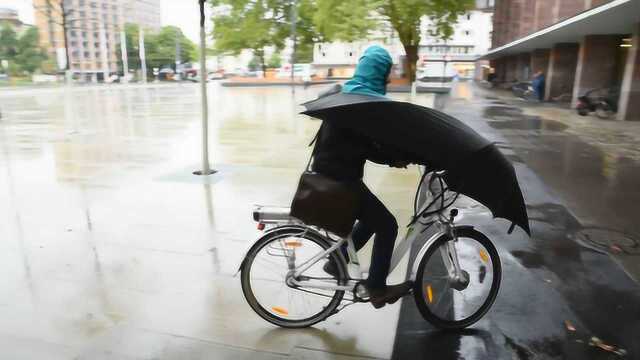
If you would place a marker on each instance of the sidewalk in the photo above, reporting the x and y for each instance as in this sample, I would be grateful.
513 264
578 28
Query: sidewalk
592 164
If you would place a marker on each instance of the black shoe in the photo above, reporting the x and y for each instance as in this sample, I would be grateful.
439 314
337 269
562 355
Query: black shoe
330 268
389 294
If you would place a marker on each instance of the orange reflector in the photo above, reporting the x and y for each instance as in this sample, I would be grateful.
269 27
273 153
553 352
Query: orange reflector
260 226
484 256
280 310
429 294
293 244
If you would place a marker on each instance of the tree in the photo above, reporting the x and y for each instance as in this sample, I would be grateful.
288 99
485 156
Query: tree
352 20
275 61
23 52
160 48
29 55
253 25
8 43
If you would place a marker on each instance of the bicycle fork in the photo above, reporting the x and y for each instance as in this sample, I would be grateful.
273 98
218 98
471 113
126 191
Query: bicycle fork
459 278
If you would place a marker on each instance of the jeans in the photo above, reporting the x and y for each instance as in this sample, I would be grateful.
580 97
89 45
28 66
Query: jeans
374 218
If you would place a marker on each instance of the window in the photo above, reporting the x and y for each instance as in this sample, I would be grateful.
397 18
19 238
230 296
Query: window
323 54
86 54
469 16
467 32
350 53
73 33
97 54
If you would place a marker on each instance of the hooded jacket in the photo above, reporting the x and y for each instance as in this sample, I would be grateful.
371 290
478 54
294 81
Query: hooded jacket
341 153
370 77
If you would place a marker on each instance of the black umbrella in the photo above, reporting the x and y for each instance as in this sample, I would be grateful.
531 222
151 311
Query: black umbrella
475 167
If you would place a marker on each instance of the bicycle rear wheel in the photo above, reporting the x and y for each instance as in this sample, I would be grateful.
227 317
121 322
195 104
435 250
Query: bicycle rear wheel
451 303
264 278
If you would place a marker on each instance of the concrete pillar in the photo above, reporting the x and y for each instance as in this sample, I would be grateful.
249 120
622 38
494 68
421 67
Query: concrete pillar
597 62
562 70
629 105
540 60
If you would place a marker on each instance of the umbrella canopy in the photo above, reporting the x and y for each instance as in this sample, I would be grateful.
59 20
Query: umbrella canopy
475 167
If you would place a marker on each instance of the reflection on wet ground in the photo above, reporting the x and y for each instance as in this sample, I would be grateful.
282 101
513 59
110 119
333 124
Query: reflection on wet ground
111 248
564 274
599 186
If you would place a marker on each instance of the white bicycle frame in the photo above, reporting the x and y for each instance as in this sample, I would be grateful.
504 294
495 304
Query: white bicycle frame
449 255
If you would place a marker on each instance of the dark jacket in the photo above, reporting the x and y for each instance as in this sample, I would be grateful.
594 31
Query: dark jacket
341 153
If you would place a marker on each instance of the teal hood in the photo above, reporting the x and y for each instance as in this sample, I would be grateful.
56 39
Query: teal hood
371 73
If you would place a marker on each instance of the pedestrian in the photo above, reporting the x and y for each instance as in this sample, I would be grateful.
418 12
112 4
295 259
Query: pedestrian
341 154
538 85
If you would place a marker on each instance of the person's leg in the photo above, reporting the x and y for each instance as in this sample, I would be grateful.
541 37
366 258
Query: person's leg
374 217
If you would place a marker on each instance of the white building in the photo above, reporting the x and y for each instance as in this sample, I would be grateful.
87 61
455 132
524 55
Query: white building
457 56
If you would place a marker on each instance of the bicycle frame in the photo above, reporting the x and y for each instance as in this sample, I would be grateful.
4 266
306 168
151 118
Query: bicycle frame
355 271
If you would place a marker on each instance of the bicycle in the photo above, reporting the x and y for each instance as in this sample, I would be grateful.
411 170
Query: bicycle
284 283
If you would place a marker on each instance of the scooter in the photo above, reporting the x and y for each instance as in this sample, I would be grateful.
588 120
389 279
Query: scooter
602 101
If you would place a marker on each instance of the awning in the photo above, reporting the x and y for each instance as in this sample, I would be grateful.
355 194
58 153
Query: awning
615 17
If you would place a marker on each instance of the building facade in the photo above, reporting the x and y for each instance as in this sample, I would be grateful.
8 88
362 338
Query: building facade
457 56
93 30
578 44
9 17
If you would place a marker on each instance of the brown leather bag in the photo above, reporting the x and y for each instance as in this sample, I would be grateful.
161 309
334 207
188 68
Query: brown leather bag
325 202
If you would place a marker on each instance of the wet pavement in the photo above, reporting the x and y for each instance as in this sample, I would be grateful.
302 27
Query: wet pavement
111 249
565 285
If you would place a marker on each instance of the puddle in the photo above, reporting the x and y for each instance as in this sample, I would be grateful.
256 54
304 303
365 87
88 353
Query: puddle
529 123
493 112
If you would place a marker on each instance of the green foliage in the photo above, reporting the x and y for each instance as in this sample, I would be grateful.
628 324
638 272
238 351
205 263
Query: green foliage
160 48
30 55
353 20
8 43
23 52
256 24
344 20
252 25
275 61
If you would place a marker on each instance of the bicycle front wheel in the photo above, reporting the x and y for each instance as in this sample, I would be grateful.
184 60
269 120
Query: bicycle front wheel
451 301
266 270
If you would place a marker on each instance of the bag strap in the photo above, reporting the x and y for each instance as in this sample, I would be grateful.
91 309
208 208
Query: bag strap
313 152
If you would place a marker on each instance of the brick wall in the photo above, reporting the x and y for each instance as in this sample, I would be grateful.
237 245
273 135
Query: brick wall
514 19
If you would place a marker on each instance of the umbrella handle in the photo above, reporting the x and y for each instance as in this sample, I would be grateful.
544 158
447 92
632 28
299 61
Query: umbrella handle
513 226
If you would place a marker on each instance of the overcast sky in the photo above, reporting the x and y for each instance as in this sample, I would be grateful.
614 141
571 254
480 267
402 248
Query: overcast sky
181 13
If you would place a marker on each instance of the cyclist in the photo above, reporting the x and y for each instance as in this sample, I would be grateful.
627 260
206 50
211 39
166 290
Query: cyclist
341 154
